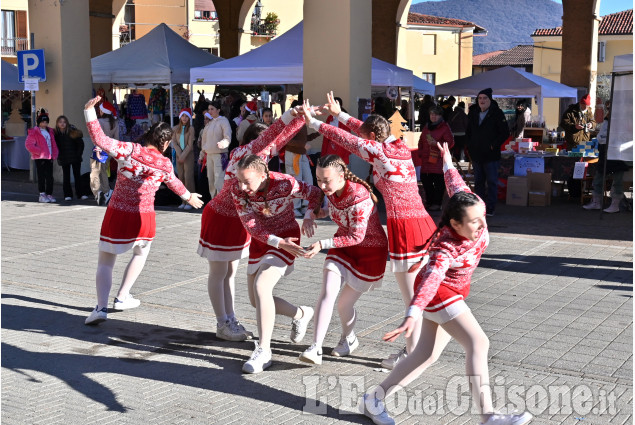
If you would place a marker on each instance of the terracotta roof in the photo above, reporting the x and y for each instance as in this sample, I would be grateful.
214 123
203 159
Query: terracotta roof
420 19
516 56
478 59
620 23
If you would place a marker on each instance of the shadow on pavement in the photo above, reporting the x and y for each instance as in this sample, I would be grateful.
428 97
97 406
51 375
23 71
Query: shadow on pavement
144 342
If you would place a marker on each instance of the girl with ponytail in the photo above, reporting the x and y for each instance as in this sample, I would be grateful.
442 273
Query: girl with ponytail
264 202
356 257
409 224
440 290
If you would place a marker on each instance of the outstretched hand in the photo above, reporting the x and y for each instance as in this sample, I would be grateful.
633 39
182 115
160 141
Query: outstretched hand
292 248
332 106
195 200
445 152
407 326
306 111
92 102
308 227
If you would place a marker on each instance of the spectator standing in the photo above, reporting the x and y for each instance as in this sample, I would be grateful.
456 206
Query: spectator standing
217 137
183 145
578 123
458 124
523 115
487 130
71 147
40 142
423 110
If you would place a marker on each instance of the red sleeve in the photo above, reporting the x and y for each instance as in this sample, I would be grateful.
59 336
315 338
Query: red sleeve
31 144
302 190
353 124
173 183
429 278
115 148
358 216
247 216
365 149
447 136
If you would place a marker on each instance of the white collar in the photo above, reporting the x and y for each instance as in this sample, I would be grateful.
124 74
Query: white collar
390 139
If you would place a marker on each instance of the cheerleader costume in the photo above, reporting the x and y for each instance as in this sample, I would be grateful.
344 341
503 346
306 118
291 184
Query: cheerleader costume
359 249
223 236
443 284
268 230
130 218
409 224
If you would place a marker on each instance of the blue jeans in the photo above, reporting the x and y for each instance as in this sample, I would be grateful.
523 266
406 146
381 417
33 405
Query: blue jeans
486 182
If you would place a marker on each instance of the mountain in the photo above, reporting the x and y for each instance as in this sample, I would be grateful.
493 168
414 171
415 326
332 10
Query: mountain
508 23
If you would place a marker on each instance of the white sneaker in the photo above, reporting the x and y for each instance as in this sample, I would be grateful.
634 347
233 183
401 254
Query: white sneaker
500 419
43 198
84 197
187 207
229 332
393 359
313 355
97 316
614 207
68 198
260 360
593 205
346 346
51 199
375 410
241 328
125 304
298 326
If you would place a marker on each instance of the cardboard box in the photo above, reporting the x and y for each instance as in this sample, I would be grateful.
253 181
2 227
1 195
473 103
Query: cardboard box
517 190
539 189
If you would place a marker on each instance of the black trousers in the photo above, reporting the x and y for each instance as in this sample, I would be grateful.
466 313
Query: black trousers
44 169
66 180
434 185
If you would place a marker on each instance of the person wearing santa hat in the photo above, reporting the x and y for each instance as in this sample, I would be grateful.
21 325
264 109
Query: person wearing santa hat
99 162
251 107
578 123
183 145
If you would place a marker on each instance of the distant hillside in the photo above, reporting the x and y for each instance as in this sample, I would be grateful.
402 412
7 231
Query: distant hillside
508 23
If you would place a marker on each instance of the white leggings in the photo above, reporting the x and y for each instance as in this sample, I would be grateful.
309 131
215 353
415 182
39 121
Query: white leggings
260 286
406 282
221 284
103 280
324 307
433 339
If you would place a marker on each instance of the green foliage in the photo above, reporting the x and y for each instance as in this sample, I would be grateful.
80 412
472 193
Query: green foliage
271 23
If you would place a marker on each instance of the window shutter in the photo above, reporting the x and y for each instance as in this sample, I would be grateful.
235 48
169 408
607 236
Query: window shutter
21 24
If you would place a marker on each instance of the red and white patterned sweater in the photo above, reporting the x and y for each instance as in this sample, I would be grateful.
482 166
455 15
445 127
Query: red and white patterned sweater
453 258
393 171
273 138
282 190
140 171
356 216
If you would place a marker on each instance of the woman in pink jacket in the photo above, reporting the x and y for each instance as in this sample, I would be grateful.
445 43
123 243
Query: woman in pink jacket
40 142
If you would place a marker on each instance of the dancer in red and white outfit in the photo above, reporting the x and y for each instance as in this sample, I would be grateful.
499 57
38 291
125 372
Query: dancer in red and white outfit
223 239
441 287
129 222
409 224
264 201
356 257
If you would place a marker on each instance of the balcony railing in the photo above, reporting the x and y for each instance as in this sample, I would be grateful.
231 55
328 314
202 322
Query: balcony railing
12 45
260 28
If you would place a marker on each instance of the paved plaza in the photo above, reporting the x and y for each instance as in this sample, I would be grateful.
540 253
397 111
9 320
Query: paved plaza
553 292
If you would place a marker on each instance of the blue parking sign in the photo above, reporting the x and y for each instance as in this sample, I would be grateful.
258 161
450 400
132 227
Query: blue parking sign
31 64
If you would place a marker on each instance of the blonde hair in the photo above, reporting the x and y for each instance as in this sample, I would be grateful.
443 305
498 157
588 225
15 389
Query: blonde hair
254 162
378 125
335 161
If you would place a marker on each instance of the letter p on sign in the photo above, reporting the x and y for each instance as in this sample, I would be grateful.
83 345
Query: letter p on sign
31 64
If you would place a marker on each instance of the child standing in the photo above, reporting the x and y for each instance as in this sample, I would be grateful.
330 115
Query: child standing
40 142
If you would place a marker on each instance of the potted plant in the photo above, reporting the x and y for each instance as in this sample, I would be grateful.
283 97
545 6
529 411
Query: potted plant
271 23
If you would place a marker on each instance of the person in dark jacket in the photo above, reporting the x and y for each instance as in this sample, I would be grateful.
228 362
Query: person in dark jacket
71 148
487 130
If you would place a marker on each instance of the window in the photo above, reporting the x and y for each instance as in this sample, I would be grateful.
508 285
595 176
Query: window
205 9
14 31
430 77
429 44
601 51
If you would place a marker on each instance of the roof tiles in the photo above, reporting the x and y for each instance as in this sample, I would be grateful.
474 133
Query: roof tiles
620 23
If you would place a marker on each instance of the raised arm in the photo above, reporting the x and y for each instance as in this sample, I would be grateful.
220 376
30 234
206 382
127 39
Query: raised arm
333 107
302 190
115 148
278 134
453 181
249 218
358 216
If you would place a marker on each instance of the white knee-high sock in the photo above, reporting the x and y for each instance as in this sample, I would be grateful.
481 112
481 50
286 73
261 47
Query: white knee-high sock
346 309
324 307
103 278
133 270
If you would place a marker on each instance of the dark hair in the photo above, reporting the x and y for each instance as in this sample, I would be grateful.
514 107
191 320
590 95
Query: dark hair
266 110
436 109
68 124
158 135
252 132
378 125
454 210
42 116
254 162
461 104
336 161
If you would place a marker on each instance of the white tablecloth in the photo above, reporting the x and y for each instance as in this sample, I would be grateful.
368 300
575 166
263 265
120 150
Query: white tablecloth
15 155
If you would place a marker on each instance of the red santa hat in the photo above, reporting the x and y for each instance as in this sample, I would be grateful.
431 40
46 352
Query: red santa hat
108 108
186 111
251 106
586 99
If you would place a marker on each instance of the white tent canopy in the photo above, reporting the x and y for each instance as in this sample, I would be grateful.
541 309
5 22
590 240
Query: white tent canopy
10 79
623 63
422 86
620 143
281 62
159 57
508 82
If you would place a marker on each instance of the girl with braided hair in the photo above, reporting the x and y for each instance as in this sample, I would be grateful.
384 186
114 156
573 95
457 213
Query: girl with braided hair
224 240
264 202
409 224
357 253
441 287
129 222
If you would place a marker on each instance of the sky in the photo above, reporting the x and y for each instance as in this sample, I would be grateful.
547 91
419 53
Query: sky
606 6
